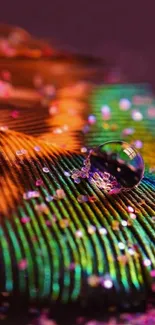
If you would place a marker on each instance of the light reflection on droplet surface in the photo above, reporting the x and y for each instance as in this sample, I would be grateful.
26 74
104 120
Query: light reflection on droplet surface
115 166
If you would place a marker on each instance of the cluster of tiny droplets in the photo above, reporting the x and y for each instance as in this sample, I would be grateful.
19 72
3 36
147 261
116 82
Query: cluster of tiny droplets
101 180
83 172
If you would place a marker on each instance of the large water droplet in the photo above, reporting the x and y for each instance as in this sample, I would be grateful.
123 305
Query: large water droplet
115 166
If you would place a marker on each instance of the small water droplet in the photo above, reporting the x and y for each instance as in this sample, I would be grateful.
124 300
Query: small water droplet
136 115
45 170
124 104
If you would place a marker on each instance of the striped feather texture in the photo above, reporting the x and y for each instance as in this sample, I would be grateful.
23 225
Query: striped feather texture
53 246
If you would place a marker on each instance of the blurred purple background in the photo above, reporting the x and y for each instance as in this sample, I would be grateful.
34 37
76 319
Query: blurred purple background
122 31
